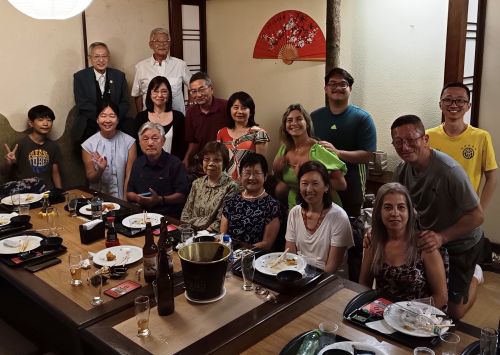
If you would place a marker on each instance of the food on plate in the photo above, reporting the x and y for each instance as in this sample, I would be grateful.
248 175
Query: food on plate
29 198
110 256
4 221
108 206
291 262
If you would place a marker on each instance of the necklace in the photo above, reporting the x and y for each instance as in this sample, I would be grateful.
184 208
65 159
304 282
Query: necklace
244 195
318 222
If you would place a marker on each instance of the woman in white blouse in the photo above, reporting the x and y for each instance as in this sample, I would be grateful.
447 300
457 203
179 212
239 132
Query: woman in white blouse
317 228
108 155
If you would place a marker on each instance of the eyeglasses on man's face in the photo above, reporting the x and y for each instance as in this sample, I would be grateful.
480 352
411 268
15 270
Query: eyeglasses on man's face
338 85
447 101
247 174
410 142
154 139
200 90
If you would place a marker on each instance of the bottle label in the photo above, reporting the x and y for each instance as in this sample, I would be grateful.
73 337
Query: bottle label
149 264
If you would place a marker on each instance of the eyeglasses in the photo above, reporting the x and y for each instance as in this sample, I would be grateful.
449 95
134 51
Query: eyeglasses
410 142
341 85
200 90
154 139
459 102
247 174
161 42
97 57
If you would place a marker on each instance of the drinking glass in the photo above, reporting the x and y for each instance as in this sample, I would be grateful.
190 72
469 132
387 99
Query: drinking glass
422 350
24 210
449 342
52 215
247 269
186 232
488 341
141 307
97 283
71 202
328 333
16 201
75 269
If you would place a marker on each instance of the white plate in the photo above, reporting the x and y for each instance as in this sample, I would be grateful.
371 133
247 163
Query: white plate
348 346
24 199
211 300
134 255
32 241
393 316
87 211
263 263
5 218
136 221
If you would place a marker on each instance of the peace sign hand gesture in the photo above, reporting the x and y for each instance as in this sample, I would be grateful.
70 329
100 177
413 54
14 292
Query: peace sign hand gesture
11 154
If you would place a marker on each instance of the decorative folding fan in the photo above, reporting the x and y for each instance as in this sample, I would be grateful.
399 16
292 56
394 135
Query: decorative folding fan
290 35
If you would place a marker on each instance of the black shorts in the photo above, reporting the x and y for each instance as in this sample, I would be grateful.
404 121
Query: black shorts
462 267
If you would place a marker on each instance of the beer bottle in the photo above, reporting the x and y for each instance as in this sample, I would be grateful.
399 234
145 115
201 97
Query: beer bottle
164 276
149 254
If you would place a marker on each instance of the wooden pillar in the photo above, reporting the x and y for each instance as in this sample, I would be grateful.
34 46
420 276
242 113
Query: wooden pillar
455 40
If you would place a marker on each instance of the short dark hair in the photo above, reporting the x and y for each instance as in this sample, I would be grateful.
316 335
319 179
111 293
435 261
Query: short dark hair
317 166
456 85
201 76
342 72
408 119
247 101
252 159
108 103
154 84
40 111
215 147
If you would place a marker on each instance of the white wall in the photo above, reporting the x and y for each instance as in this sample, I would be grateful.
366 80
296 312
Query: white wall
489 115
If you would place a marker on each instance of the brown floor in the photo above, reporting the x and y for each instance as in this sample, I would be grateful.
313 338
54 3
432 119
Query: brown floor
486 310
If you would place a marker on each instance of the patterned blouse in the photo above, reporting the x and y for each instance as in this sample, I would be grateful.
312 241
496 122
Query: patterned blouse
405 281
247 219
240 147
203 208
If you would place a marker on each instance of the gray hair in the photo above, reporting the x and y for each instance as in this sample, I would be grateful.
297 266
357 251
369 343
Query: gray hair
158 30
151 125
97 44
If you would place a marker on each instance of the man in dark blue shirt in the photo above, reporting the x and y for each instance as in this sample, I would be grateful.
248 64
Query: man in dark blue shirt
158 180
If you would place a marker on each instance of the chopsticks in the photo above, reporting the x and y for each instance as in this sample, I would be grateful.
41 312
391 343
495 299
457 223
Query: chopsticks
24 244
144 216
280 259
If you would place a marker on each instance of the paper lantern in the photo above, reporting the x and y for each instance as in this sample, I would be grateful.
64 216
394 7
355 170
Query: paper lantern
50 9
291 35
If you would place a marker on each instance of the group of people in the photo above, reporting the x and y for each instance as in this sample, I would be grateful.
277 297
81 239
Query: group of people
425 239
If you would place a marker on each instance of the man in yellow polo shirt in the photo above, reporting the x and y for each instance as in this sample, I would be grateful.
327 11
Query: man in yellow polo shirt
468 145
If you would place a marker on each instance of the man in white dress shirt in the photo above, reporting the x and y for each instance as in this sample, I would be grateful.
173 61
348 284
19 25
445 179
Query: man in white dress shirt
160 64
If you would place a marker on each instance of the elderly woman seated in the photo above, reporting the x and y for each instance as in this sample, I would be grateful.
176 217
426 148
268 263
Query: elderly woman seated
252 216
318 229
158 181
203 208
393 258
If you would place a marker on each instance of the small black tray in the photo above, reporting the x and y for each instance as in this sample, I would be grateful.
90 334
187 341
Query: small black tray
35 256
368 296
473 348
294 345
272 283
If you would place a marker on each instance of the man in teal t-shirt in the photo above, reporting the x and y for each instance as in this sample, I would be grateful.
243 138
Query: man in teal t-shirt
352 133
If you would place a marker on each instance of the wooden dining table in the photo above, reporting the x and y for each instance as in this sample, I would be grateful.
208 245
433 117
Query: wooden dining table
48 295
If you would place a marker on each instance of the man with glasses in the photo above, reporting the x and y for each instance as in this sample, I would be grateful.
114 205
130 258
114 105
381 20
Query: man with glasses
351 134
158 180
204 118
160 64
94 85
470 146
449 212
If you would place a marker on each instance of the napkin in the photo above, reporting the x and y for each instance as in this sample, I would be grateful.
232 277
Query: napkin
381 326
90 225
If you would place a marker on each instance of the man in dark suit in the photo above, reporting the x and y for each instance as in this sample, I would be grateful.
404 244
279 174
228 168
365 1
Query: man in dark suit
95 84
